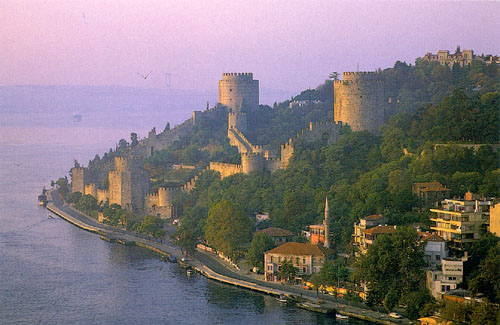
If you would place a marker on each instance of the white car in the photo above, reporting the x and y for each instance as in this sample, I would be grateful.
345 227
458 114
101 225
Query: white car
395 315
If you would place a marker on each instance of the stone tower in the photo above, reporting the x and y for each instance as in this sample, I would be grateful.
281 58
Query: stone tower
240 93
360 101
326 224
79 178
128 183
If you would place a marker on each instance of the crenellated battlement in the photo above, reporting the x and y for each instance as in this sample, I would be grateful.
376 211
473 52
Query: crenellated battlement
237 74
359 100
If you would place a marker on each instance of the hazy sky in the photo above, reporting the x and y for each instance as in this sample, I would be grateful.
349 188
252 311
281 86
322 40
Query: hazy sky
287 44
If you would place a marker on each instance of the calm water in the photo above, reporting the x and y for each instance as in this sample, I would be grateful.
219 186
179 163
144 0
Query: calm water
54 273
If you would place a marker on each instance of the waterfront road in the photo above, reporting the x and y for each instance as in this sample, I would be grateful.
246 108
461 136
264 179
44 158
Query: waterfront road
215 268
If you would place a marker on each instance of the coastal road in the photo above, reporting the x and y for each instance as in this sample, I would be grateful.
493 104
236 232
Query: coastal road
211 261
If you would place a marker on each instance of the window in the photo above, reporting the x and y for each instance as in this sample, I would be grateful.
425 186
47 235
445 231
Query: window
304 270
438 258
271 259
279 259
297 260
303 261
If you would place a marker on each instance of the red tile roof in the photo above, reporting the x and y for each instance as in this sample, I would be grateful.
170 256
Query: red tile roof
427 236
292 248
374 217
380 230
276 232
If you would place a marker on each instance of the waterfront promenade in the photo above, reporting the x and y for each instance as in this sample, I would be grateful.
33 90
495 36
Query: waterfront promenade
213 268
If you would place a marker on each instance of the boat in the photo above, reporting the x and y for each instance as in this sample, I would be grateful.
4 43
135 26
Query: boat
51 217
282 298
189 272
339 316
77 117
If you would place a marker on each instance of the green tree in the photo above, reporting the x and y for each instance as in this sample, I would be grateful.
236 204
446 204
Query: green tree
88 204
260 243
133 138
62 185
485 313
151 226
456 312
227 227
331 273
487 281
394 262
75 197
287 271
122 144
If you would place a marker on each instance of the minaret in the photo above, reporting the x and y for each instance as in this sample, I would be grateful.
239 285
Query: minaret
326 224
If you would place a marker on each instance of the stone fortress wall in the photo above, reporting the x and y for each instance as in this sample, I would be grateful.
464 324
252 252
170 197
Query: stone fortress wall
239 92
359 101
79 178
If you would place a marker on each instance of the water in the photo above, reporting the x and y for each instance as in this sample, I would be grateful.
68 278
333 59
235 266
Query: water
54 273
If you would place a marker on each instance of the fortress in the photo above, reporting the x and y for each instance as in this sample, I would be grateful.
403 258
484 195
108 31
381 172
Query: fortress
359 102
239 92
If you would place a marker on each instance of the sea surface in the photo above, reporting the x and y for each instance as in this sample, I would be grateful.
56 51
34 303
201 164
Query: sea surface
54 273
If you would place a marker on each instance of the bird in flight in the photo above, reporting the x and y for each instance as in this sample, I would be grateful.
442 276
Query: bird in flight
145 76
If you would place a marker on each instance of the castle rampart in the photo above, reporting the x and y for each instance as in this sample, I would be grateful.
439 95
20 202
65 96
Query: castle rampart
91 189
79 178
225 169
102 195
359 101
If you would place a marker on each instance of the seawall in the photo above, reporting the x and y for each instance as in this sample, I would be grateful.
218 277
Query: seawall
163 249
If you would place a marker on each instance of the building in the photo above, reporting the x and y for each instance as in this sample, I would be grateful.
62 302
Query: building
370 235
307 258
447 278
430 193
443 57
434 249
279 236
320 234
461 221
495 219
358 237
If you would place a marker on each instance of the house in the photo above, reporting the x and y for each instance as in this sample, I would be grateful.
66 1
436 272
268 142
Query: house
434 249
430 193
368 229
448 278
307 258
461 221
279 236
358 237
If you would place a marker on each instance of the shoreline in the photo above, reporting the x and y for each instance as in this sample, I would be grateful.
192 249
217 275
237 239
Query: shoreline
304 302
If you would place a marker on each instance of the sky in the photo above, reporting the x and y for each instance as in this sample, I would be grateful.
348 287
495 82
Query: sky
287 44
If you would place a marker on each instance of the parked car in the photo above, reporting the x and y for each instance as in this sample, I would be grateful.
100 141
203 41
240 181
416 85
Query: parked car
395 315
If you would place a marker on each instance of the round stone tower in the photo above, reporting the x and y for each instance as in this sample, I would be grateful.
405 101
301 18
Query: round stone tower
239 92
166 196
251 162
359 101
